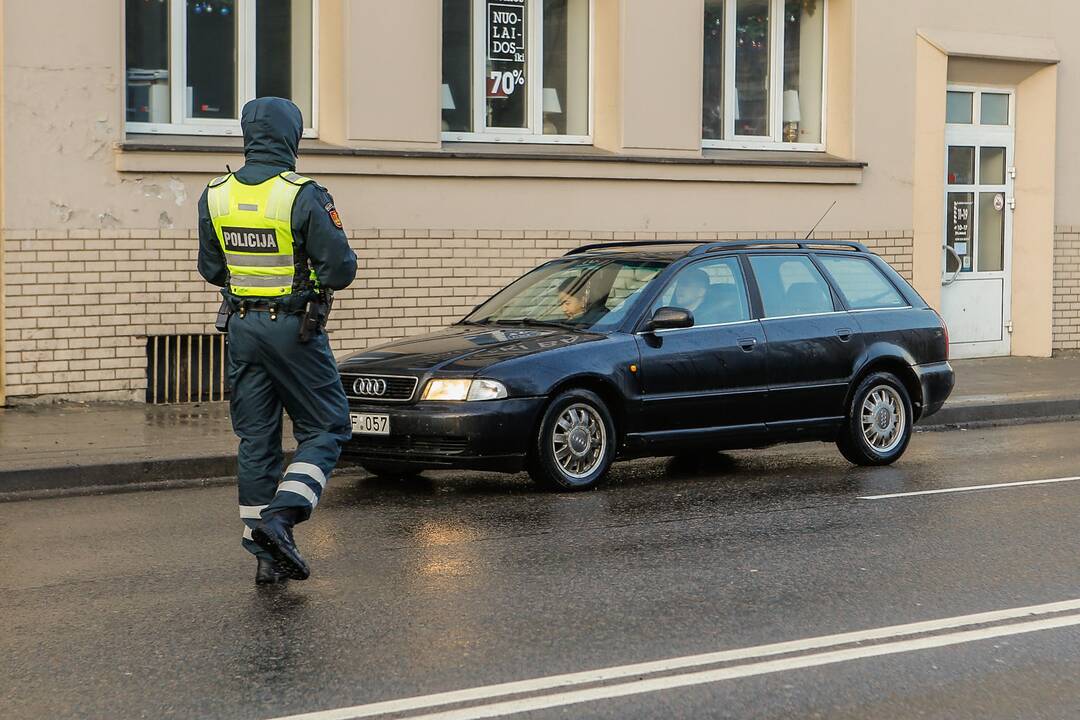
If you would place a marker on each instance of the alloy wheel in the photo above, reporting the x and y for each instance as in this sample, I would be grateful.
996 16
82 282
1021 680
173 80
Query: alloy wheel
884 419
579 441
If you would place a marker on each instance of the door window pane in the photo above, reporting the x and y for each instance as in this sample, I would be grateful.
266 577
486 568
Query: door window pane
712 108
714 292
958 108
791 285
147 52
752 67
566 67
804 45
861 284
995 109
961 165
507 64
211 59
283 52
991 231
457 66
992 166
960 215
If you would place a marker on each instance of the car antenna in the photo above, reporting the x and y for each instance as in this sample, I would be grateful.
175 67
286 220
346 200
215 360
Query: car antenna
819 221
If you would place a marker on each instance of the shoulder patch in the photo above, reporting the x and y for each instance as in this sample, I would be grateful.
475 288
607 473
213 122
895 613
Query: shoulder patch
333 213
295 179
220 180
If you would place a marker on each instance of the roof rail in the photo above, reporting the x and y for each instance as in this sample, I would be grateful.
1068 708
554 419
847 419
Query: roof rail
708 246
799 244
629 243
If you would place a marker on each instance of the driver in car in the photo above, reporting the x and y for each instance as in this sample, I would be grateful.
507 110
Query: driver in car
576 302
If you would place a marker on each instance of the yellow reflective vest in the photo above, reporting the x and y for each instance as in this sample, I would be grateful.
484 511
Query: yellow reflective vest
253 224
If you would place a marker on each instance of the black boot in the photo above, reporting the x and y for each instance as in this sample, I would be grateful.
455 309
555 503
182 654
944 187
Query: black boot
267 572
274 535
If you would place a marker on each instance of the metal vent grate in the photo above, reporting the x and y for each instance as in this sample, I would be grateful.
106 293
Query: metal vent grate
186 368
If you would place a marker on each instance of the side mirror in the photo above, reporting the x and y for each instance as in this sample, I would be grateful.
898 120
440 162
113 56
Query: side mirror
670 318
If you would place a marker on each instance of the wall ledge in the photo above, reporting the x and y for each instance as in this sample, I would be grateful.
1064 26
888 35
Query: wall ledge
139 154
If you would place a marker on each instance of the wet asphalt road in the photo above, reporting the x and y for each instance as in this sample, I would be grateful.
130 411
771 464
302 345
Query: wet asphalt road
141 605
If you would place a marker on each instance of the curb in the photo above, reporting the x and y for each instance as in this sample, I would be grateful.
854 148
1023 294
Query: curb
1003 412
109 475
48 482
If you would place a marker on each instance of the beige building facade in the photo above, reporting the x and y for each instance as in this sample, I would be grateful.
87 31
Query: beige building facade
466 141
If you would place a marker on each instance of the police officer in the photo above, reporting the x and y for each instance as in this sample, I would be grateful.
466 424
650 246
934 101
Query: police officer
273 240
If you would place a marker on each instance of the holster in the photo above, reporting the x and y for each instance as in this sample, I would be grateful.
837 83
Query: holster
316 314
221 324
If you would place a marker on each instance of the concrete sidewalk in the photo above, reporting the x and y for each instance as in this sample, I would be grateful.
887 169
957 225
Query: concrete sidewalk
69 448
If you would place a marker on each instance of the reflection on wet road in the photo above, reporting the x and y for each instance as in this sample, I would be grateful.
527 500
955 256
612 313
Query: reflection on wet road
141 605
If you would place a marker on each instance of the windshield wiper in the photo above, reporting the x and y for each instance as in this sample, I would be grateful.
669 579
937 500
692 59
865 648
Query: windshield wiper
531 322
486 321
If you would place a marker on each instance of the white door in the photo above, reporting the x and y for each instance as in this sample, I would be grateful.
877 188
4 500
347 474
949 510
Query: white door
977 243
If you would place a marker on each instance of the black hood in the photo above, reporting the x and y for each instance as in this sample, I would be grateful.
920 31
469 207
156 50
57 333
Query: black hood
463 349
272 129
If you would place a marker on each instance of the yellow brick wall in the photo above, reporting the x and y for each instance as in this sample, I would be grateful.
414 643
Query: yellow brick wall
1067 288
80 304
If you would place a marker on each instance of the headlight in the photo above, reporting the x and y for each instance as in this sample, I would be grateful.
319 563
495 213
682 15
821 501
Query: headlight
471 390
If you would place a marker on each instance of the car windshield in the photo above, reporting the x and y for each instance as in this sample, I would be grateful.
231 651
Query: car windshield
586 293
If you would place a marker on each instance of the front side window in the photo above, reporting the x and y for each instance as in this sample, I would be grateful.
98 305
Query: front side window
763 75
192 64
713 291
516 70
592 293
862 285
790 285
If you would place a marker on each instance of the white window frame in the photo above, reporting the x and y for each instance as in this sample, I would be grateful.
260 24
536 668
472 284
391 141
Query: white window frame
775 139
245 71
534 134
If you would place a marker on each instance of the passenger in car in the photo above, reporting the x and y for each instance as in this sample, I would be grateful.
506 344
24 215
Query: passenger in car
690 292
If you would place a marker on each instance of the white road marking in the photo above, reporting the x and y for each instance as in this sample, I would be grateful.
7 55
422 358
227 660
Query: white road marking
971 488
555 682
513 707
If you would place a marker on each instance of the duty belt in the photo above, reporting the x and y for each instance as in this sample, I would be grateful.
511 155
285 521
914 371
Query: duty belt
273 308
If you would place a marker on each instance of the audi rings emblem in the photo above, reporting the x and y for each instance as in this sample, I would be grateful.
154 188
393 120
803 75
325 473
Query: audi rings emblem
369 387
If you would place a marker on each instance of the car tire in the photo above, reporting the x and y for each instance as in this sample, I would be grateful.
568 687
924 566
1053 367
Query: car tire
575 444
879 422
391 470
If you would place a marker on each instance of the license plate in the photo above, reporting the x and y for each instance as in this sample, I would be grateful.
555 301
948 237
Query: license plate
369 424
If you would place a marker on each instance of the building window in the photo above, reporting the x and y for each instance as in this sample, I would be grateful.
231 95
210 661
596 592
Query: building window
192 64
517 70
764 74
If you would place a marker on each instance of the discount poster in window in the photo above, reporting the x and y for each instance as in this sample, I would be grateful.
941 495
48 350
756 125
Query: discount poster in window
507 63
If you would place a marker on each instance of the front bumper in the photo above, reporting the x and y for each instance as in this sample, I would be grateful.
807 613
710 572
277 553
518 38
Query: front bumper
937 381
490 435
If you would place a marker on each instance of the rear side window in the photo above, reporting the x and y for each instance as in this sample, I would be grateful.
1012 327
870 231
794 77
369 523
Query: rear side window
791 285
862 284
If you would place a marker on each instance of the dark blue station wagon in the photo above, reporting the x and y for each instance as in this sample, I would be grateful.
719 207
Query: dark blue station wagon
635 349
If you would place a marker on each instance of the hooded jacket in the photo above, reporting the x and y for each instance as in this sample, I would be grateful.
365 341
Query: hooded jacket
272 130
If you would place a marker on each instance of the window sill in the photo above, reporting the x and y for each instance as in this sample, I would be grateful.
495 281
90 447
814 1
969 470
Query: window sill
140 153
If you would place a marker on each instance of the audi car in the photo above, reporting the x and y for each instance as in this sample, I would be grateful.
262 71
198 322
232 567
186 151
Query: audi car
632 349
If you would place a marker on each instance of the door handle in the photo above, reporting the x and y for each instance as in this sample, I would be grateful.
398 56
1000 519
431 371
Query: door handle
747 344
959 266
844 334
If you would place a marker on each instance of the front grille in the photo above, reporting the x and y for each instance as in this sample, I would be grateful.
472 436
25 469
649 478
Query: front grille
379 388
409 445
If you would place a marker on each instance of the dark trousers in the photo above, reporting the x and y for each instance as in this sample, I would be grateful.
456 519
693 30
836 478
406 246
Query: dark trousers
270 369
